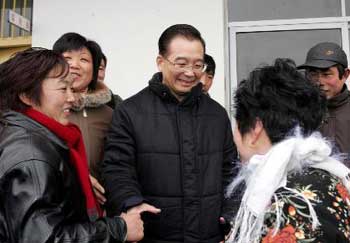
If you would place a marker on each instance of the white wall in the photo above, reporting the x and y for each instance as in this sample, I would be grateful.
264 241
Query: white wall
128 32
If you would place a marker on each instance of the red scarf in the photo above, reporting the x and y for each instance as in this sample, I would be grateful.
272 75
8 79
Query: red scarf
71 134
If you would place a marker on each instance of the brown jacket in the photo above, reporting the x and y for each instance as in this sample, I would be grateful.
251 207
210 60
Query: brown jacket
93 118
94 127
336 126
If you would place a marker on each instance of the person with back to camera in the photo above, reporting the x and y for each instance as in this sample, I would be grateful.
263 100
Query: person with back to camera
89 111
295 191
46 195
327 65
171 147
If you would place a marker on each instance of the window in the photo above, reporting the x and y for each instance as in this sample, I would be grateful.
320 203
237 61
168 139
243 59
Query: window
22 7
280 28
273 44
251 10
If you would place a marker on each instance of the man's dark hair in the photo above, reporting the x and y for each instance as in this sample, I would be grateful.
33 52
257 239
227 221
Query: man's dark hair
281 98
341 69
72 42
184 30
24 74
211 66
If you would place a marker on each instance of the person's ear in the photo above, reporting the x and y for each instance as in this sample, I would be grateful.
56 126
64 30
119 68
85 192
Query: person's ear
346 74
257 131
160 63
25 99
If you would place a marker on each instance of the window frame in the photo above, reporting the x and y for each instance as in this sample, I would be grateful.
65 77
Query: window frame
235 28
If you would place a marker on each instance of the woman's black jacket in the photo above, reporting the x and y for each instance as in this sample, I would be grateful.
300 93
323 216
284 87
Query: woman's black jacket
40 197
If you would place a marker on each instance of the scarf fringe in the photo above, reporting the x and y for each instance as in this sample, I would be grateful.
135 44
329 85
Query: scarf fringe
270 172
247 227
312 214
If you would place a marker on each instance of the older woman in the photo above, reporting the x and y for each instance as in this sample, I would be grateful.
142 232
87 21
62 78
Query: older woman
89 111
295 190
46 195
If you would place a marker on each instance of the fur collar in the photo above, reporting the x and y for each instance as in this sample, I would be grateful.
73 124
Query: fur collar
92 99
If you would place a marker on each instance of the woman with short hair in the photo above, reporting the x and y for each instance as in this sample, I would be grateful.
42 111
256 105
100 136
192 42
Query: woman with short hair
295 191
46 194
90 111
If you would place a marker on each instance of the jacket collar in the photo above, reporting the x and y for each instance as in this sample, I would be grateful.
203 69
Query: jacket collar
101 95
156 85
339 99
20 120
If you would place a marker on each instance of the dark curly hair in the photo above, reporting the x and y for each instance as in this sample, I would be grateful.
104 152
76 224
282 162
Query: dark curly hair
281 98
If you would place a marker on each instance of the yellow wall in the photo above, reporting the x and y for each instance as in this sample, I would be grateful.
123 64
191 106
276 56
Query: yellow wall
5 53
9 46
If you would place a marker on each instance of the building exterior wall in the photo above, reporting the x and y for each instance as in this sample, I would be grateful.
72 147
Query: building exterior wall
14 38
261 31
6 53
128 32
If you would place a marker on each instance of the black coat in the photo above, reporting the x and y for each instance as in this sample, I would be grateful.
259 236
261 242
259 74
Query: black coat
177 156
41 199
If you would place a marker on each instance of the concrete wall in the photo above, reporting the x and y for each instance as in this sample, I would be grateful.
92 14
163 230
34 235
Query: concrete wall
128 32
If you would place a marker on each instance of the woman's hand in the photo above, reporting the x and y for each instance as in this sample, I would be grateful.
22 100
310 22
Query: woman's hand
134 226
98 190
135 232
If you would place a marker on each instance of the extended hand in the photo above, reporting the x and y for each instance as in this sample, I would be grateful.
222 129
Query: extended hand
222 221
144 207
134 226
98 190
134 229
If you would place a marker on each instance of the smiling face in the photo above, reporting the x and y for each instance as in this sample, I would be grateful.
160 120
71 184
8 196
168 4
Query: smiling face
56 97
184 52
81 68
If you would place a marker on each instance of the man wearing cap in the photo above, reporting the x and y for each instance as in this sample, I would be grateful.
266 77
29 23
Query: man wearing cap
327 65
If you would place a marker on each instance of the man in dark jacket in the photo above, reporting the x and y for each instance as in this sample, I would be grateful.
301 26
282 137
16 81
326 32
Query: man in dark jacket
326 64
171 147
